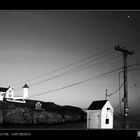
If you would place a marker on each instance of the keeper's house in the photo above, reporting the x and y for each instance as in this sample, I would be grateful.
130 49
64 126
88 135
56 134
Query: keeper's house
8 94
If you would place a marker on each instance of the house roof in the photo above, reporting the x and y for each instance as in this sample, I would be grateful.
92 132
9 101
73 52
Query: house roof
3 89
25 86
97 105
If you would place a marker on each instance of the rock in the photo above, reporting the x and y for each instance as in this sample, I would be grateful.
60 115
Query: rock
1 117
45 117
18 115
72 118
54 117
13 113
39 118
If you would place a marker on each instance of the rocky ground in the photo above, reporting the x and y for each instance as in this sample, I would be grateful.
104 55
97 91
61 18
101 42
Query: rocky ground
50 113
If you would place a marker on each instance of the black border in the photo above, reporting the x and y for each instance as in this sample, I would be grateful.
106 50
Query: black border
70 5
71 134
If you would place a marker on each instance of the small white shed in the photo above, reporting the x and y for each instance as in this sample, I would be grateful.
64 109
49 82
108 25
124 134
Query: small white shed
100 115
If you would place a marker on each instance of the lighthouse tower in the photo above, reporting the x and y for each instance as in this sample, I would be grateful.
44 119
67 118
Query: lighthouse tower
25 91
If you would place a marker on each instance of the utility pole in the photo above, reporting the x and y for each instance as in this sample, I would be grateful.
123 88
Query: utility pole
106 94
125 53
120 100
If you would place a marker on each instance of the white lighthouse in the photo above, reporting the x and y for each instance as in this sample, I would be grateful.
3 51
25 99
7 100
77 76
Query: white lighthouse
25 91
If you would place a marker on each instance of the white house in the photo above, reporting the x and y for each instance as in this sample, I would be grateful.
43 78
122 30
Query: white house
6 93
9 93
2 92
100 115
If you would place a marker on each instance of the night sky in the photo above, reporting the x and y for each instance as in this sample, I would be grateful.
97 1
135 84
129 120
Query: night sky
34 43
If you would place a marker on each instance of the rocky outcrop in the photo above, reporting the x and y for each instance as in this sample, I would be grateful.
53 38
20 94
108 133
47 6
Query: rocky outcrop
1 117
17 113
45 117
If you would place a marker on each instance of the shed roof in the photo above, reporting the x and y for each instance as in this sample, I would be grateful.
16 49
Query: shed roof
3 89
97 105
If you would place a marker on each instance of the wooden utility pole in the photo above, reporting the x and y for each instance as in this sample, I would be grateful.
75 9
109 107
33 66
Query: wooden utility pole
120 92
106 94
125 53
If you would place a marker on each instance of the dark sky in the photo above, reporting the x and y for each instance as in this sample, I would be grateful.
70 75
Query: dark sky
35 42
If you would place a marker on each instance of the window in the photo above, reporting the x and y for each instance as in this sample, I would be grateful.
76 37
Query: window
38 106
10 95
107 121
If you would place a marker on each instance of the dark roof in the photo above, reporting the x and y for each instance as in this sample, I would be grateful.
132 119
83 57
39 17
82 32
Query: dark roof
96 105
25 86
3 89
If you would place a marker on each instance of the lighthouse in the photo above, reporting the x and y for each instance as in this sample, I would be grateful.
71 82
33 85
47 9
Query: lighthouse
25 91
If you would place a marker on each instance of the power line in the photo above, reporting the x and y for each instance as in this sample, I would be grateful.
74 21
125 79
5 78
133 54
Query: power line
116 90
115 116
80 82
39 76
71 71
133 43
97 63
116 111
75 69
117 106
58 69
103 51
137 50
135 85
83 81
132 40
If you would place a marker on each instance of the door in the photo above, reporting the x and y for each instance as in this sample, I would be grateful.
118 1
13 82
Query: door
94 120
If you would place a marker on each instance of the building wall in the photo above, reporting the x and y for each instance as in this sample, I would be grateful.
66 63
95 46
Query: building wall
9 93
107 114
25 93
93 119
19 97
1 96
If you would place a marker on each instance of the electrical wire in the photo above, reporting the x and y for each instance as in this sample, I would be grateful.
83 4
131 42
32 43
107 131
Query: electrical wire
132 40
118 105
63 67
116 90
83 81
80 82
134 69
117 119
135 84
103 51
73 70
97 63
132 43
